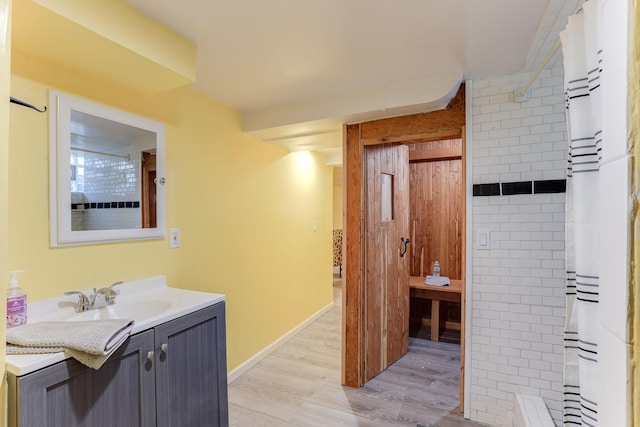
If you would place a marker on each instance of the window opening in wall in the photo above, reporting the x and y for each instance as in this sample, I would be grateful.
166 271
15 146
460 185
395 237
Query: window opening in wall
386 197
105 189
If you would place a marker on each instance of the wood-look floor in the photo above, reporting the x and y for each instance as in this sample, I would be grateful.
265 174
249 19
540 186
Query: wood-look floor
299 385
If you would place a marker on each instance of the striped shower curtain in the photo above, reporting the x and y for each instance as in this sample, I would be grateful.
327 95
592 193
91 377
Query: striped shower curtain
583 67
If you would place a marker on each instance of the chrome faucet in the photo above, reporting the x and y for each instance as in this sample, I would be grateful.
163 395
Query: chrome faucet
86 303
83 301
107 294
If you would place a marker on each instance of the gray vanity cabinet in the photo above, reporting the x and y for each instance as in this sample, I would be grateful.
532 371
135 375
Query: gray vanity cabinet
120 393
191 370
172 375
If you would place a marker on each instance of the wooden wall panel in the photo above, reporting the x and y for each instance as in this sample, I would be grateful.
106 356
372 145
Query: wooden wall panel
436 216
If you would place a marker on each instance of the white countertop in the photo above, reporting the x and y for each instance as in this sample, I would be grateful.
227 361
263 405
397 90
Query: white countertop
181 302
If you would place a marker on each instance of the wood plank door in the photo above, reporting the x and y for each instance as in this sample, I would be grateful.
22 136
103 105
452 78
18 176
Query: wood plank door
149 217
386 278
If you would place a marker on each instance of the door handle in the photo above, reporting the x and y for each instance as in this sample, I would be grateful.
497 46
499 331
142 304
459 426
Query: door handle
404 249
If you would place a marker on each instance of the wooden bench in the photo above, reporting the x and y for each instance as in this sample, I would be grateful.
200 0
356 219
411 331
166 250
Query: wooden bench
452 293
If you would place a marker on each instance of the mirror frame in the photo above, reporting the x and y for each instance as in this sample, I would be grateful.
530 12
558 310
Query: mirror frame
60 107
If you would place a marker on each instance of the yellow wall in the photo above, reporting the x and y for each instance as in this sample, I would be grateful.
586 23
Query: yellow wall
245 209
5 66
337 206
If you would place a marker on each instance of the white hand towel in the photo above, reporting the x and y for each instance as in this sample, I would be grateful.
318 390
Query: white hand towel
90 342
437 281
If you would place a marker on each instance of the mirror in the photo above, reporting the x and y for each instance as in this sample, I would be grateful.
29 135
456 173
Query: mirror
106 174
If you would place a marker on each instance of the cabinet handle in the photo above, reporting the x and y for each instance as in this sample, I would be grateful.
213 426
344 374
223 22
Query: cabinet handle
164 347
150 355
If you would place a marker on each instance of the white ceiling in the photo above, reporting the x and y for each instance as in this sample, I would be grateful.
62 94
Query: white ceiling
297 70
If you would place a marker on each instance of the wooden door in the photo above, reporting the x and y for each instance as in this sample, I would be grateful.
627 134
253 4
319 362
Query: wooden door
148 190
386 293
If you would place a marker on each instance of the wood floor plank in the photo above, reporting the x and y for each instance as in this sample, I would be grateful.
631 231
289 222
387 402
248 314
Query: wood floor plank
241 416
313 415
354 402
298 385
264 401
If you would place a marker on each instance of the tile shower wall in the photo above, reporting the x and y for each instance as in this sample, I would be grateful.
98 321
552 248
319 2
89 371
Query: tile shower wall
77 216
108 180
518 299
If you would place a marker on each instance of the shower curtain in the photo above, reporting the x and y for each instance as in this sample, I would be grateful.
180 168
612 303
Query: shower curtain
583 67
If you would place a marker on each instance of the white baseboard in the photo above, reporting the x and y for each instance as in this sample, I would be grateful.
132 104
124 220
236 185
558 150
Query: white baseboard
253 360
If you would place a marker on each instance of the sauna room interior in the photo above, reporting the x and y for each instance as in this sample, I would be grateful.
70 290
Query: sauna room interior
436 221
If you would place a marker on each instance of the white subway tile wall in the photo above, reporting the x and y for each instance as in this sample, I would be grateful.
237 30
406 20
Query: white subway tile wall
77 217
111 179
518 300
112 219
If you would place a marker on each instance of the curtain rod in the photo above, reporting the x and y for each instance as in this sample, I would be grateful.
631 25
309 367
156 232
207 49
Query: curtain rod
521 93
120 156
127 157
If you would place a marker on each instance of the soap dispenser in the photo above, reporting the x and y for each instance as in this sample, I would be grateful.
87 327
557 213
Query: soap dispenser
16 302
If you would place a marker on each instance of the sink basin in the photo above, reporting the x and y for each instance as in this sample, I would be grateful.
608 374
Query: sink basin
148 302
135 310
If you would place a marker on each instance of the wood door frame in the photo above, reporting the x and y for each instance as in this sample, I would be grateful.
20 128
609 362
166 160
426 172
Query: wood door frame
423 127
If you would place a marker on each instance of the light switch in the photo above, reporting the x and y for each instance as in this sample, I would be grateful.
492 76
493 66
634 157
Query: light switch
314 225
482 239
174 238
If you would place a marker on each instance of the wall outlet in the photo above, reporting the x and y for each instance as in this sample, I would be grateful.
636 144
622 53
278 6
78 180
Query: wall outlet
174 238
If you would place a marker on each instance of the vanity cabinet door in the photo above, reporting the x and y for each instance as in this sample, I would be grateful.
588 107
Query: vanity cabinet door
191 370
68 394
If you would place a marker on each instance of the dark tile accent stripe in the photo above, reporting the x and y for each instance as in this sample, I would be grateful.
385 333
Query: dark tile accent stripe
550 186
105 205
486 189
522 187
512 188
